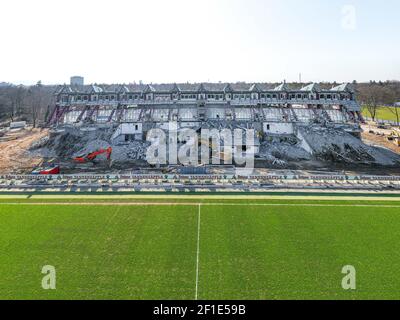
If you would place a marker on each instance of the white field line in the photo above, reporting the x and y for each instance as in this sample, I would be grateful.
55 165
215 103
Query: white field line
128 204
198 252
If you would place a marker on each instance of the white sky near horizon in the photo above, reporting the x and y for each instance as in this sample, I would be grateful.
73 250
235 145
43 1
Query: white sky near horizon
123 41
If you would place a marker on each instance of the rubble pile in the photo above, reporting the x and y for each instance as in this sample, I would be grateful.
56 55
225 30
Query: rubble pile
68 144
284 149
280 152
335 145
309 145
135 150
91 146
225 124
42 142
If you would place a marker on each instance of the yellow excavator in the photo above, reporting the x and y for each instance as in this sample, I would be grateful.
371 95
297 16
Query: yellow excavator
395 136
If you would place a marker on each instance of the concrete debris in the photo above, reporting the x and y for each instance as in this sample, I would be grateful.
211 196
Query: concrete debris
73 143
134 151
42 142
279 151
91 146
284 149
335 145
308 145
273 160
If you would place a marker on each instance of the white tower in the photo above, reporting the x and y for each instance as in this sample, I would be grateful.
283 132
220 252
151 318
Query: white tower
77 81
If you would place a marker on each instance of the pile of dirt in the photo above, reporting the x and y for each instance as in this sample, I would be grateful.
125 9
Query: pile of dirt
380 141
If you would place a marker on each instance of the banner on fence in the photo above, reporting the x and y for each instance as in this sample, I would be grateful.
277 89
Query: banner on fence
182 177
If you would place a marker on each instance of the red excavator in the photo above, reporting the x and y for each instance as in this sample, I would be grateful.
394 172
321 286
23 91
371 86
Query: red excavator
93 155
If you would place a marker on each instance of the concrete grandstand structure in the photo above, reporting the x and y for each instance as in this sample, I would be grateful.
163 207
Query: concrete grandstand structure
273 110
293 125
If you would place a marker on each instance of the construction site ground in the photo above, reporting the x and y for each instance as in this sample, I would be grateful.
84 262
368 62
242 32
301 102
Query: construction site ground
14 145
375 136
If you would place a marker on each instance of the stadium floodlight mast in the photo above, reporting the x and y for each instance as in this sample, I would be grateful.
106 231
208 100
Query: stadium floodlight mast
234 146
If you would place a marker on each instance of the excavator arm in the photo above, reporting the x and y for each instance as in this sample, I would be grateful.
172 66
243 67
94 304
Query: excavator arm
93 155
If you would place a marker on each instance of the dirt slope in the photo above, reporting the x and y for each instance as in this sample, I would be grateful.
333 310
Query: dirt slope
382 141
13 147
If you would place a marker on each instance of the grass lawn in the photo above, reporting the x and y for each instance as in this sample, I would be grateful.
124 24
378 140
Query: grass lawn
383 113
298 252
271 251
98 252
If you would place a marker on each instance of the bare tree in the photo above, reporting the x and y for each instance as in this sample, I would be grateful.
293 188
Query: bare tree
11 102
35 97
6 111
395 110
370 99
373 96
16 97
390 97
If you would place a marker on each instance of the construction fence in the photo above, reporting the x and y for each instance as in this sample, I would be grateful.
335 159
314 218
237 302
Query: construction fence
117 177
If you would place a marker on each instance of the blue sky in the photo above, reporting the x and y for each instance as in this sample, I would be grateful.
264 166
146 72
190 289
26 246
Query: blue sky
199 40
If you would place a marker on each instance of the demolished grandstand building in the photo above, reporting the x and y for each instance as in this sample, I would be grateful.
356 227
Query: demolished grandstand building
290 124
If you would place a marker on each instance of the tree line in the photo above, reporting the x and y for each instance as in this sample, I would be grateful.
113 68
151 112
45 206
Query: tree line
374 95
26 103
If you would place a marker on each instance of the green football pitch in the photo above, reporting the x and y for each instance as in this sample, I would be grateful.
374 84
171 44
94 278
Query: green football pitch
225 249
